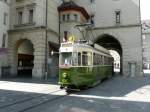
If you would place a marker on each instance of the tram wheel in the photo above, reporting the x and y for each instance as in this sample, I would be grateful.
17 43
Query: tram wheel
68 91
61 87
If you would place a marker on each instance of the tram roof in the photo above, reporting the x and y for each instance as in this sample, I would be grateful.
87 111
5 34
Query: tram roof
85 47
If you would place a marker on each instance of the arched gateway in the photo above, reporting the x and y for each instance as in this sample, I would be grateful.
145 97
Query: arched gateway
126 40
111 43
25 58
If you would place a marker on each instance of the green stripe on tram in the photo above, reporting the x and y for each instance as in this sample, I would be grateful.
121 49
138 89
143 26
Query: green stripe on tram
84 76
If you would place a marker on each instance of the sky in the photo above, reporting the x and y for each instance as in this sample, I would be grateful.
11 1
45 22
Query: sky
145 9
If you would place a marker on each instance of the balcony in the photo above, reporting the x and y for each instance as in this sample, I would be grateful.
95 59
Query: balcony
24 25
19 0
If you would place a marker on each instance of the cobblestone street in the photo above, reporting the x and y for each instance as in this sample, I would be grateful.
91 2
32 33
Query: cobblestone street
119 94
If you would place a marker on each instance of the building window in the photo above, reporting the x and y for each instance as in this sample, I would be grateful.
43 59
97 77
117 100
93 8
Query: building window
92 1
68 17
31 16
5 1
92 19
75 17
63 17
20 17
65 36
4 40
117 14
5 18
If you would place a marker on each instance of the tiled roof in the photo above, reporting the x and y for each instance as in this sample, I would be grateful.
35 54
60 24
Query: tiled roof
73 6
70 4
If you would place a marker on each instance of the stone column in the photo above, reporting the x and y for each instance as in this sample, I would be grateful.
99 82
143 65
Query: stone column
12 59
39 64
39 57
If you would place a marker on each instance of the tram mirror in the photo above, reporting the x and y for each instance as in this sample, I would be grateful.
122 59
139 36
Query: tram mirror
53 52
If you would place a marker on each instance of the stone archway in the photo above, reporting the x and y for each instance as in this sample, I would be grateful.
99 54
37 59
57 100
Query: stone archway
25 58
111 43
16 44
37 40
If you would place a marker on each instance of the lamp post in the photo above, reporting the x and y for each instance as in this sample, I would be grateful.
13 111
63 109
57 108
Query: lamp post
46 36
59 28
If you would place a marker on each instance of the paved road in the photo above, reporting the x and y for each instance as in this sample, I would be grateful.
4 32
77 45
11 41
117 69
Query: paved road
118 94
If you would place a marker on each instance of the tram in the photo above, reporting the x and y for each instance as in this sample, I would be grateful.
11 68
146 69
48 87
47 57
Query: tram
82 65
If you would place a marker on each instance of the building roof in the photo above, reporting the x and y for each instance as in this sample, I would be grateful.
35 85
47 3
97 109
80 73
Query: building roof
66 6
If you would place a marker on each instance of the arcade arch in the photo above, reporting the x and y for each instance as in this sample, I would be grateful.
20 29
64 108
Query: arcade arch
25 58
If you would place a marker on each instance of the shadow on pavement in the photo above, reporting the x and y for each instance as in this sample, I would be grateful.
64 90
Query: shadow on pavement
120 86
106 97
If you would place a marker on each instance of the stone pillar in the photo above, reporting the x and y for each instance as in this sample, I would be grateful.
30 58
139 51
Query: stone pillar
13 60
39 65
39 58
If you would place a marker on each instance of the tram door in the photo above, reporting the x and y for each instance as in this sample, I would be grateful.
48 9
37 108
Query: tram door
25 65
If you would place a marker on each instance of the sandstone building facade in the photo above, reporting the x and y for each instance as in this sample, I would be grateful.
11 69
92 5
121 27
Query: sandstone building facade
146 44
38 26
118 27
33 33
4 26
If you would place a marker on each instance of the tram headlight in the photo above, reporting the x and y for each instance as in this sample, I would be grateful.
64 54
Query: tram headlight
64 75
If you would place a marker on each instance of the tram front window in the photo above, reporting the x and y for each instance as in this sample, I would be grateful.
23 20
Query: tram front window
66 59
76 59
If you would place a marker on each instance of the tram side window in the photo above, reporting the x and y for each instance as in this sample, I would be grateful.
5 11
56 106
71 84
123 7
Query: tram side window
79 59
95 59
86 58
101 60
98 60
106 61
109 61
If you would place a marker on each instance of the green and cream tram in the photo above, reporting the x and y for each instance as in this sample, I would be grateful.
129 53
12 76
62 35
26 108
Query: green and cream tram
81 65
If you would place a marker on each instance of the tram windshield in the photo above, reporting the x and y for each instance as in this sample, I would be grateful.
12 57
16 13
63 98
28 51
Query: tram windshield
66 58
76 58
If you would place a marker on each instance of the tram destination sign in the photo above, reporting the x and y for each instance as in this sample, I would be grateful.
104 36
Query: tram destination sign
66 45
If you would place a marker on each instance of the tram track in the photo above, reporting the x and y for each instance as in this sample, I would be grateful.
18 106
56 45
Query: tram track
32 102
47 101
